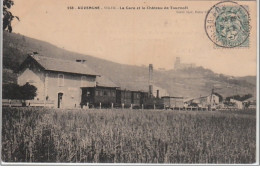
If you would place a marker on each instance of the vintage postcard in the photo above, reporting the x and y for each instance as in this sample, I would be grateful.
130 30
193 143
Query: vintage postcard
160 82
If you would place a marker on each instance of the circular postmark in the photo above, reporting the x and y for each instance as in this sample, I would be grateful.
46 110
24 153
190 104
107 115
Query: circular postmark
227 24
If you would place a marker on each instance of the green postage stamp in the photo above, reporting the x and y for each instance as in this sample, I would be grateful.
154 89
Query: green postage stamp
227 25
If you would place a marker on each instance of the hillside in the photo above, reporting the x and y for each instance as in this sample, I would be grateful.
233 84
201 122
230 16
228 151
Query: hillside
189 82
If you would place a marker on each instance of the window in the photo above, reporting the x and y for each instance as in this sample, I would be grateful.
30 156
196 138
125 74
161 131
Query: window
105 93
128 94
60 80
97 93
113 93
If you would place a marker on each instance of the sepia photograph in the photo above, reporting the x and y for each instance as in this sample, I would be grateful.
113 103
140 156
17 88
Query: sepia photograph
129 82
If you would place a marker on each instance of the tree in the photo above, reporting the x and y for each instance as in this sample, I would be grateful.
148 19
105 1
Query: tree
246 96
238 97
7 15
14 91
11 91
28 92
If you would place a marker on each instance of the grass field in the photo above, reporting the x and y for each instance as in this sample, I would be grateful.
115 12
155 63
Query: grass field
128 136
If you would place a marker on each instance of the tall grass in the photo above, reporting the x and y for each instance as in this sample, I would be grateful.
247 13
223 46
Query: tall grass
127 136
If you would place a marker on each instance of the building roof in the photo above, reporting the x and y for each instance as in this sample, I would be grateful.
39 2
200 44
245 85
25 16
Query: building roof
251 99
219 95
172 97
105 82
234 100
60 65
202 97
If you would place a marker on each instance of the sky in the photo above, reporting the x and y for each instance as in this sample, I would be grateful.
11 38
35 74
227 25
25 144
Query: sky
136 37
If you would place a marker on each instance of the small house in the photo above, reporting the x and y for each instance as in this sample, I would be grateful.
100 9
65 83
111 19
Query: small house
205 101
238 104
250 103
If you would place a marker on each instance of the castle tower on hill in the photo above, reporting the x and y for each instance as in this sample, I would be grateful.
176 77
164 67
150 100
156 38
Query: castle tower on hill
178 65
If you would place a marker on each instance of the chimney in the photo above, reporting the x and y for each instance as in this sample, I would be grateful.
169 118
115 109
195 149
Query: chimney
150 91
151 80
157 94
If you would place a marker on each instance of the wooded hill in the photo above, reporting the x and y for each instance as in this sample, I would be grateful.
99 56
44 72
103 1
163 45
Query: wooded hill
191 82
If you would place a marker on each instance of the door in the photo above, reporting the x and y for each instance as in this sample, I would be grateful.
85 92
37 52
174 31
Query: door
132 98
87 96
118 97
60 99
